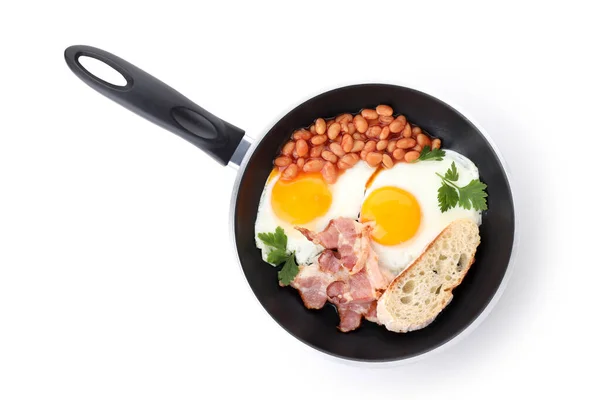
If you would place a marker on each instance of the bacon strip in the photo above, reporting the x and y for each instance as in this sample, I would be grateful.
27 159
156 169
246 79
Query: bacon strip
312 285
329 262
350 238
351 315
346 273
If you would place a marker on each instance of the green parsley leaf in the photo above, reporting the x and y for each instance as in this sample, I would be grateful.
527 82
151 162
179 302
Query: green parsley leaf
449 194
289 271
474 193
452 173
277 256
277 240
428 154
447 197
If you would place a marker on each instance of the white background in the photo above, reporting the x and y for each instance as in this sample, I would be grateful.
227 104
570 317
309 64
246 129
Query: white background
117 278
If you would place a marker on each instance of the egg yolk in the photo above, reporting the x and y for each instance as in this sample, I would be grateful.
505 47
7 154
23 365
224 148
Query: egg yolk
396 213
302 199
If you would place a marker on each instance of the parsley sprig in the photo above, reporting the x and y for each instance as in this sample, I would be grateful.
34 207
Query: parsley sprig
428 154
450 194
278 254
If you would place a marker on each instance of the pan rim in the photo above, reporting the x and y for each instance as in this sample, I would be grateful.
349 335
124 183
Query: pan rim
499 290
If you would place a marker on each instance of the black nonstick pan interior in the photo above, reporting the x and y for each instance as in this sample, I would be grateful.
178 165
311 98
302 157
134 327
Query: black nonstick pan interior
159 103
371 342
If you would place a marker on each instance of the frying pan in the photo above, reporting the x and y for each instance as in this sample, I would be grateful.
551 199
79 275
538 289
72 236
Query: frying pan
227 144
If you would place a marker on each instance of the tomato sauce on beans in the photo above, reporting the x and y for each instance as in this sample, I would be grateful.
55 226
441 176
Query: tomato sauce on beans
332 145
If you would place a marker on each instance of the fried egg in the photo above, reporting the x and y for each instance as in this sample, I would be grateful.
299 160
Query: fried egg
308 201
403 203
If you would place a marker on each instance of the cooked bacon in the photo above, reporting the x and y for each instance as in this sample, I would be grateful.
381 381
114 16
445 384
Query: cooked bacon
336 292
371 314
348 237
361 289
312 284
329 262
351 315
353 289
380 279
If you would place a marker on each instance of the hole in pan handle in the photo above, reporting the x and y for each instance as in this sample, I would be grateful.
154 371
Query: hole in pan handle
159 103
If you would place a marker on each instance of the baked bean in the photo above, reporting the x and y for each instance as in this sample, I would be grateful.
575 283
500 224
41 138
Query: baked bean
391 146
343 118
344 126
385 132
329 172
347 143
384 110
302 134
350 159
283 161
373 131
374 158
342 165
347 118
329 156
314 165
382 144
339 143
290 172
399 154
361 123
407 132
383 120
396 127
334 130
411 156
406 143
317 140
369 113
423 140
288 148
373 122
316 151
320 126
357 146
387 161
351 128
337 149
370 146
398 124
302 147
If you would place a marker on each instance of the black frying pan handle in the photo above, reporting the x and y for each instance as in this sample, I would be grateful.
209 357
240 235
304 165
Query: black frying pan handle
159 103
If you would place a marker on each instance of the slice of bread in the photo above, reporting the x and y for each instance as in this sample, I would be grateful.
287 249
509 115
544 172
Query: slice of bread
416 296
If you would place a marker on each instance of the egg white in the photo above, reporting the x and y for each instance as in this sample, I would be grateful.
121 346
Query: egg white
347 196
421 181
